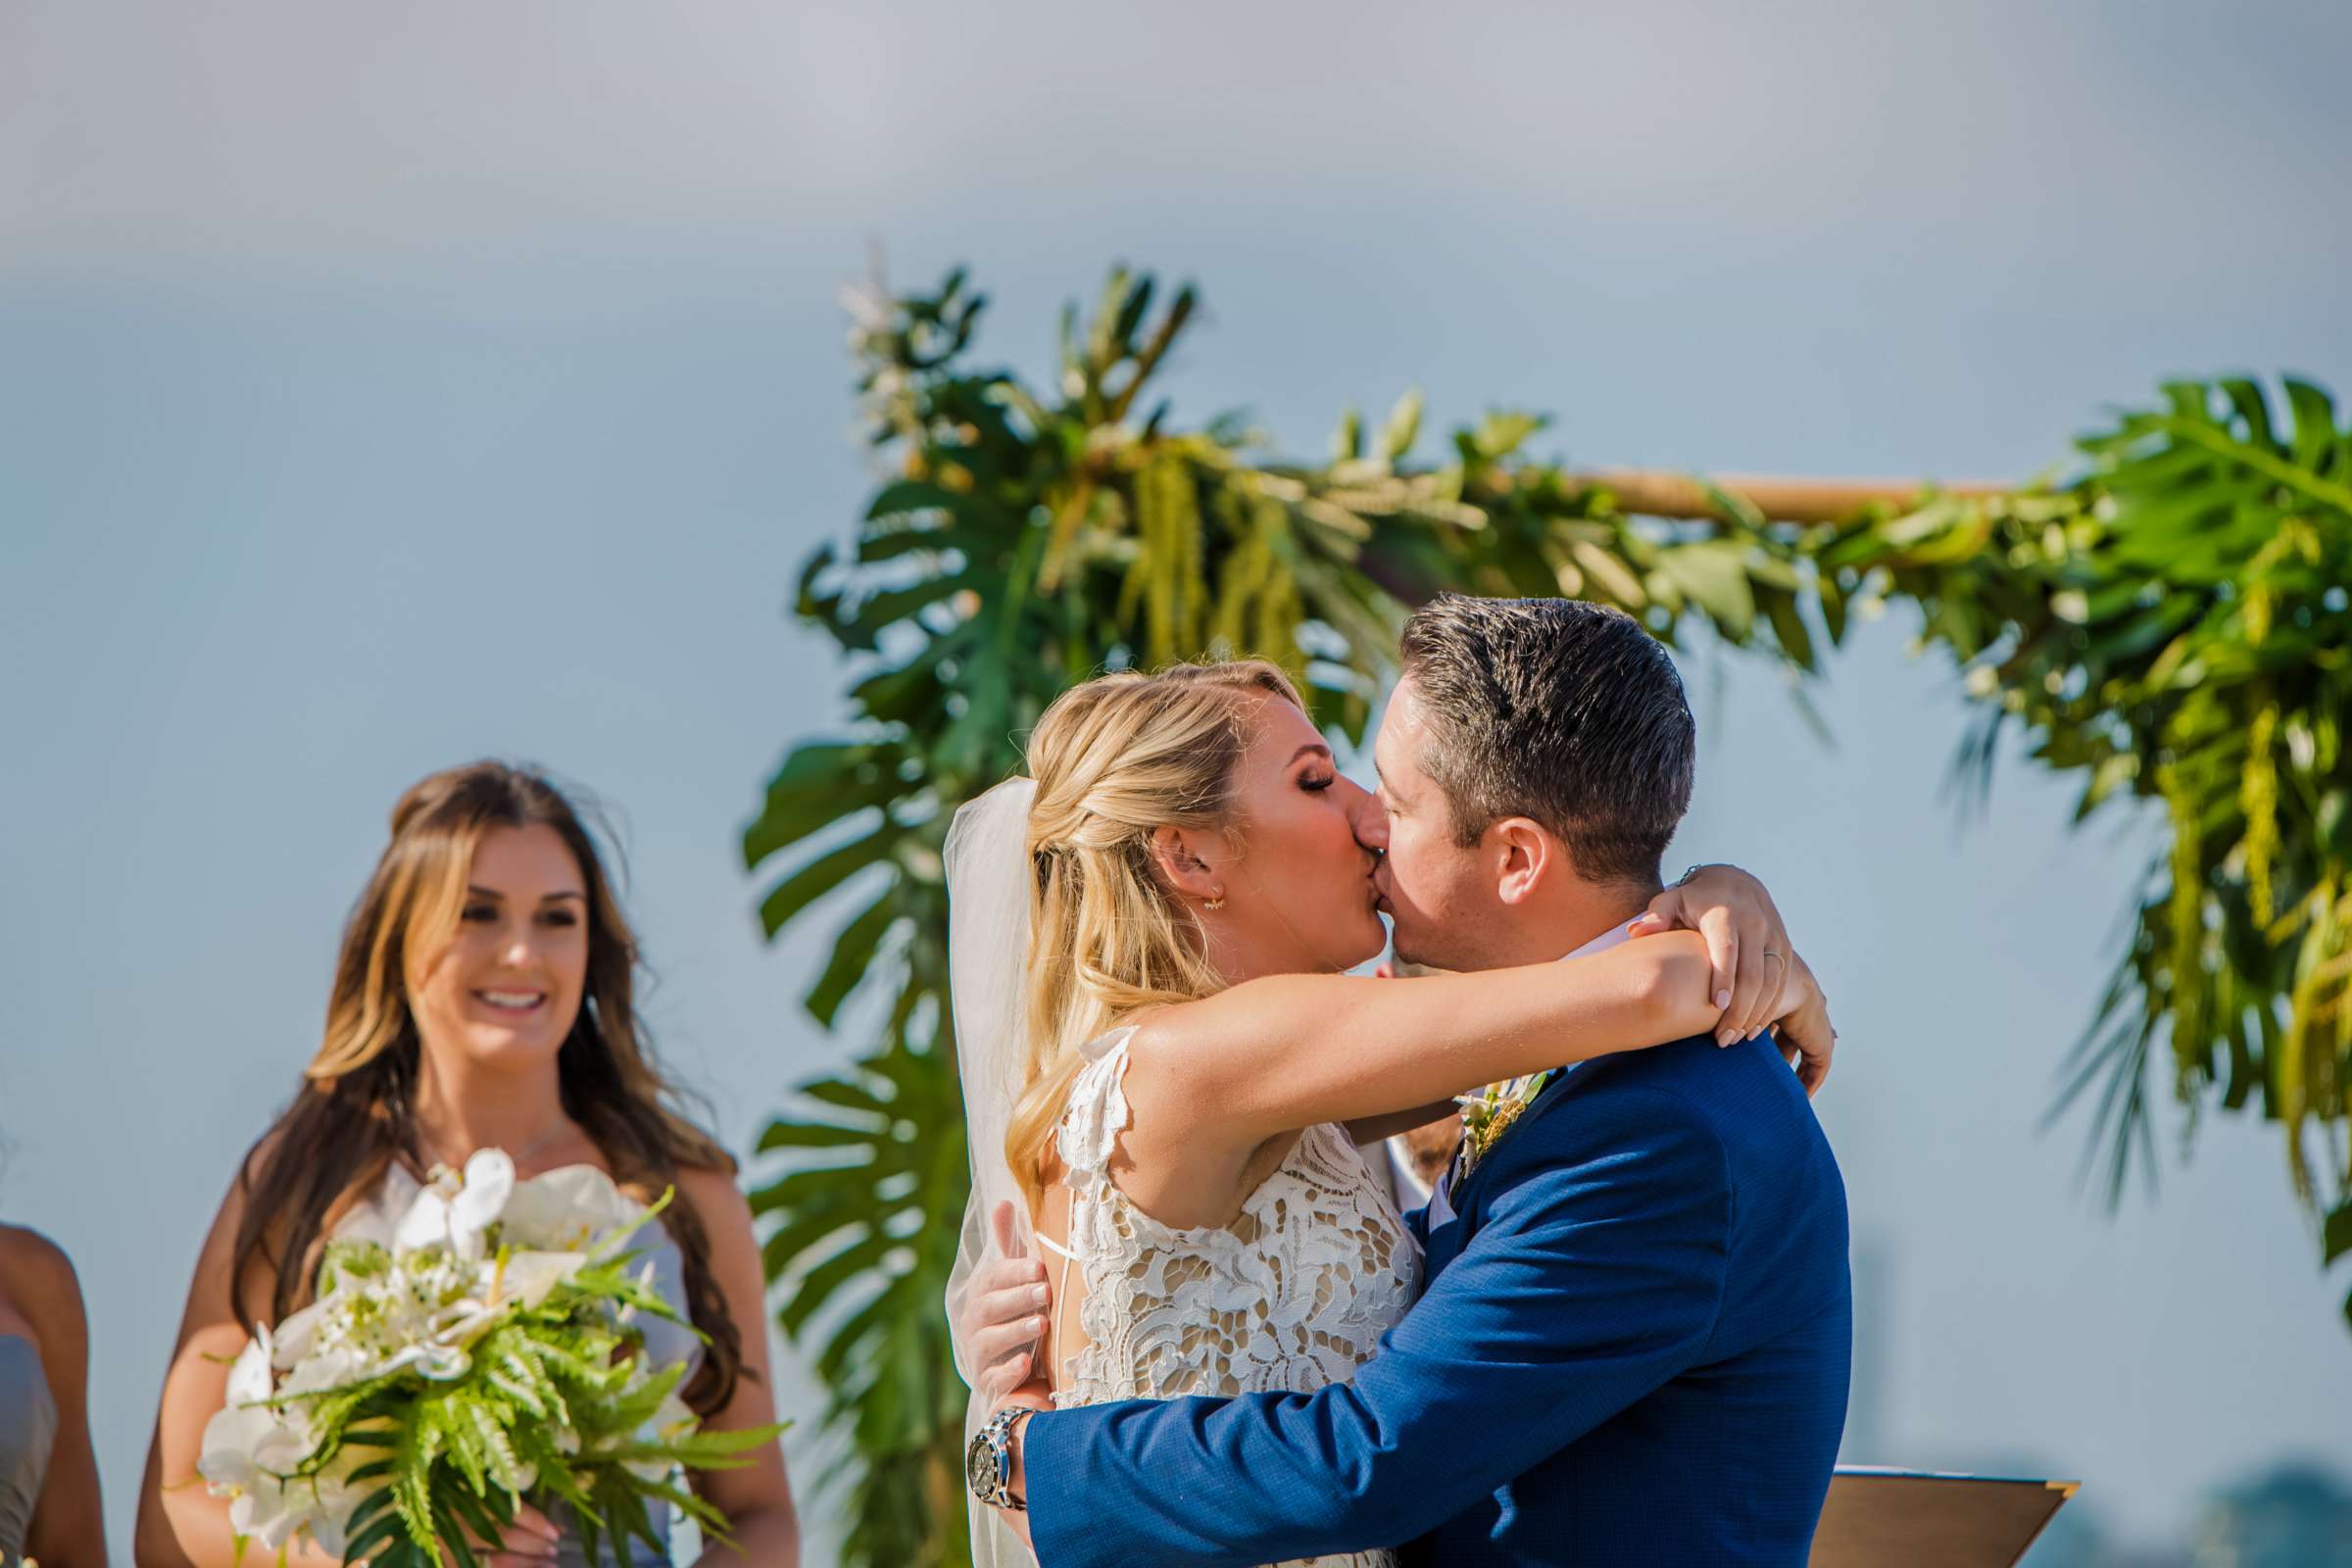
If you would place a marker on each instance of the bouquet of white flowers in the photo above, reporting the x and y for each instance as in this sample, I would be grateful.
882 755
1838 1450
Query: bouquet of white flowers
485 1349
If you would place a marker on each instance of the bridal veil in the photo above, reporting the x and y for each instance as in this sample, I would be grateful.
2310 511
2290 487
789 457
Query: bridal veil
991 882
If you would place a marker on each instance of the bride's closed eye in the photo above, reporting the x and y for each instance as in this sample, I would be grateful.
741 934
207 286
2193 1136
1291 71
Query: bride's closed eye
1314 784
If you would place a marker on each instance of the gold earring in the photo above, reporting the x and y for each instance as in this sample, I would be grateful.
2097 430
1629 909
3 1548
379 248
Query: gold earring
1217 903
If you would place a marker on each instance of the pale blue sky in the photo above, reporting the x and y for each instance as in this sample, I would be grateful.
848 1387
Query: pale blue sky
382 387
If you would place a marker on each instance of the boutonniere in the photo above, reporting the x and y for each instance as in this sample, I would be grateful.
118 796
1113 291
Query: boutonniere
1487 1114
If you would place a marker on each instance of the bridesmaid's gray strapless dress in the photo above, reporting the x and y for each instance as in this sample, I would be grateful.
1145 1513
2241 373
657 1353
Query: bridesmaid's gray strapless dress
27 1427
664 1341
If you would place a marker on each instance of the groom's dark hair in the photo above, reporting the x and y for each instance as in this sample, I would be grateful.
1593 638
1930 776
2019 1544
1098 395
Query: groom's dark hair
1568 713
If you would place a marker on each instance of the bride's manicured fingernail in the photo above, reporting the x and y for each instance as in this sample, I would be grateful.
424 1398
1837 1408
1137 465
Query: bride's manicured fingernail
1036 1325
1725 1035
1723 999
1037 1295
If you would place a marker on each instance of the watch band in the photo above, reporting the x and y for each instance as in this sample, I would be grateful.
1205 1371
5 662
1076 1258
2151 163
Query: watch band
997 1435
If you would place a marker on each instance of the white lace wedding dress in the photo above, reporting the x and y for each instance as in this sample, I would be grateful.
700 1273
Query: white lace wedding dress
1293 1296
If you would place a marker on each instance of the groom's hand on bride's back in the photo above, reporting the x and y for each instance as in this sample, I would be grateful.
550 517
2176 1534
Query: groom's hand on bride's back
1004 1314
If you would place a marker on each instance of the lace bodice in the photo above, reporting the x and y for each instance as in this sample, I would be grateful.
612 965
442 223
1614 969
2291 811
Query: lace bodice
1293 1296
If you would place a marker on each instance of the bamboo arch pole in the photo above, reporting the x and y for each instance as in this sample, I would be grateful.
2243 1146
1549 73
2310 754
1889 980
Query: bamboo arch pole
1660 493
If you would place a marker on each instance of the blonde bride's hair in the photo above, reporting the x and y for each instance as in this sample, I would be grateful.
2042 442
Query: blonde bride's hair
1115 758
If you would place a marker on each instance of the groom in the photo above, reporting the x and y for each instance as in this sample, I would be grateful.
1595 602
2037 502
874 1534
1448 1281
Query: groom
1633 1342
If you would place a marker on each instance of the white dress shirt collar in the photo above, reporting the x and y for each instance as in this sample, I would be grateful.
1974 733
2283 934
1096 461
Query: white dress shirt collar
1620 932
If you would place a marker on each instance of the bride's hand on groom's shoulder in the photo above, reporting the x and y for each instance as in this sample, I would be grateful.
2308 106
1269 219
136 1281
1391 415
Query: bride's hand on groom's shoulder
1802 1028
1759 980
1748 943
1003 1314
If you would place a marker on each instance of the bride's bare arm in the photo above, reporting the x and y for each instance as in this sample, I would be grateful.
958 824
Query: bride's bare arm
1291 1050
1755 969
1745 935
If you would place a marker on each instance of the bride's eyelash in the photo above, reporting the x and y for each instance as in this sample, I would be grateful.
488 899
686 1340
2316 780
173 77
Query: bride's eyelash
1318 783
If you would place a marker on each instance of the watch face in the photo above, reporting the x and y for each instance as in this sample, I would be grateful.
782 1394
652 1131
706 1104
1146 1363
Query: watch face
980 1465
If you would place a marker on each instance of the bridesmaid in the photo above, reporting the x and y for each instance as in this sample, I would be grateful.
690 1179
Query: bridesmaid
482 996
48 1474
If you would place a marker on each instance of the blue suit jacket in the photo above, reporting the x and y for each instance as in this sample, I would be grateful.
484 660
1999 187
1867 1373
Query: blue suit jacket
1633 1347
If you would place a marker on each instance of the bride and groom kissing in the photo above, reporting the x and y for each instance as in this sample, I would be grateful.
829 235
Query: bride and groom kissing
1619 1330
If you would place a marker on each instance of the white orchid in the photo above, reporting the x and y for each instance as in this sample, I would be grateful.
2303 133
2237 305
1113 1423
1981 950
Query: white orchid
457 1213
249 1373
329 1369
268 1510
527 1277
250 1447
279 1508
333 1496
292 1340
572 1210
248 1437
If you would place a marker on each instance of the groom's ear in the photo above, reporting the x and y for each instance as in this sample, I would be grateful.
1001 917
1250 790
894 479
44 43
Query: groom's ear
1525 858
1178 858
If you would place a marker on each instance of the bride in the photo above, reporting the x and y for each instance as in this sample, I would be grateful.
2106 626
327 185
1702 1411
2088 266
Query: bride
1168 1073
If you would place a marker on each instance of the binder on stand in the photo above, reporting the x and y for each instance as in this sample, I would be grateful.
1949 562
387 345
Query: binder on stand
1877 1518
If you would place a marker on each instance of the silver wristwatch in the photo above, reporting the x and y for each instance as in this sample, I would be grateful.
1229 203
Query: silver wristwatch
988 1459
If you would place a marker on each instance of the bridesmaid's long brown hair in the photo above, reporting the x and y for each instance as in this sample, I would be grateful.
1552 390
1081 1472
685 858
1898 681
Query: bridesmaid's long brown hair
353 1114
